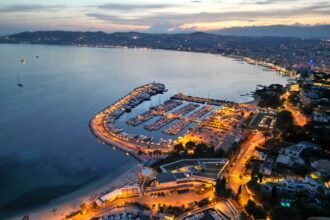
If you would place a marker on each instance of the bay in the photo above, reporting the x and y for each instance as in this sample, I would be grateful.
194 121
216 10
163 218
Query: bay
46 147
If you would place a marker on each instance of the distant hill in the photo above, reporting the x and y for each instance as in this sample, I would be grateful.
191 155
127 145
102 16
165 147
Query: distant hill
316 31
197 41
288 52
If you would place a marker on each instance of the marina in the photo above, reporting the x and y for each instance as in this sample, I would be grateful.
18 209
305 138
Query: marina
201 120
168 118
213 124
153 111
184 122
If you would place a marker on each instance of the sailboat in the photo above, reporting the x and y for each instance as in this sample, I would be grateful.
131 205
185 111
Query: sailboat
19 84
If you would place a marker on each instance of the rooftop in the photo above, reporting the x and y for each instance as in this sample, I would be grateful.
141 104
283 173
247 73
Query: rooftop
169 177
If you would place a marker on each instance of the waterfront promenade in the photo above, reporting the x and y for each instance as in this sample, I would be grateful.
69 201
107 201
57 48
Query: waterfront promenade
132 147
102 125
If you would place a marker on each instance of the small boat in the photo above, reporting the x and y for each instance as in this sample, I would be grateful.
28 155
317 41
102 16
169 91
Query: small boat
37 56
19 84
23 61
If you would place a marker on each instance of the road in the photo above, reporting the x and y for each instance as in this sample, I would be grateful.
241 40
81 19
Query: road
234 171
298 118
174 199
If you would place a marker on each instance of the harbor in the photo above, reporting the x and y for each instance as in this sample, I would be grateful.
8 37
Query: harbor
168 118
146 134
184 122
157 110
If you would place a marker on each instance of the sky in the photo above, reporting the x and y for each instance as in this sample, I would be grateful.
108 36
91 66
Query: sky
157 16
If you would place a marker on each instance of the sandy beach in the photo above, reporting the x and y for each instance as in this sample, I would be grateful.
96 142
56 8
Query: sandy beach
59 208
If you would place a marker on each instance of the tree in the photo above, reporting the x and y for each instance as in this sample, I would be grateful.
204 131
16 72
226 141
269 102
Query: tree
284 119
273 145
300 170
254 170
190 145
220 187
260 175
283 213
140 152
203 202
274 193
267 134
178 147
157 152
204 149
239 191
255 210
219 153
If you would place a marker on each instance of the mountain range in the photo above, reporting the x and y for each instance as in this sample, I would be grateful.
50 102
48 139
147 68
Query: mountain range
299 31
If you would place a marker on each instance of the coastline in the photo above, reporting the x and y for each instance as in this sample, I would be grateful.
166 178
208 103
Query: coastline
246 59
83 193
71 202
110 143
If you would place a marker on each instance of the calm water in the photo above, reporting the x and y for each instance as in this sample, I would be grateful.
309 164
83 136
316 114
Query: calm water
46 147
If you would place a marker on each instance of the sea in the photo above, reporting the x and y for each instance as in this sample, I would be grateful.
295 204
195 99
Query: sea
47 150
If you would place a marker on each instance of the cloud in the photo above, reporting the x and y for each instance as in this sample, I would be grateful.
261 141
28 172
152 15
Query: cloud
126 7
30 8
116 19
169 28
182 18
162 17
266 2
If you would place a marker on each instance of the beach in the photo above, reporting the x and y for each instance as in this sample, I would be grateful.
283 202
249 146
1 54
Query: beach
59 208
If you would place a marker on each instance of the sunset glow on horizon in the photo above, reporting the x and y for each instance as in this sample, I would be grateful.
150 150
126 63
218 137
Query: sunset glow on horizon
157 16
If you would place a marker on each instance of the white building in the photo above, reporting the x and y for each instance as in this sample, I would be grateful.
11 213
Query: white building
124 192
290 156
292 187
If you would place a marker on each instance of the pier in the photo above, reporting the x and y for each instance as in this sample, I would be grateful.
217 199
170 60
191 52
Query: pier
154 111
208 101
166 119
183 123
